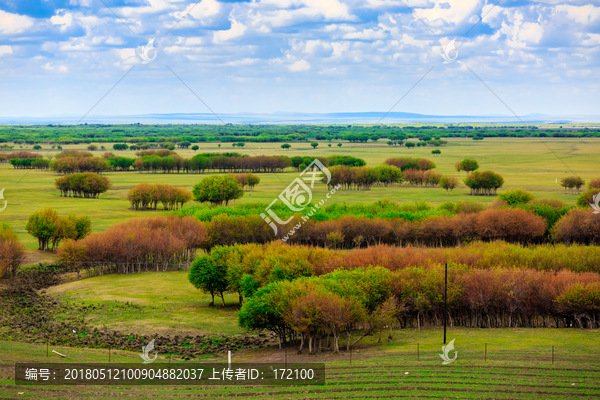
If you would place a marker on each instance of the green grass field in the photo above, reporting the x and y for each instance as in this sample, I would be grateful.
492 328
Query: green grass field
518 366
153 302
527 163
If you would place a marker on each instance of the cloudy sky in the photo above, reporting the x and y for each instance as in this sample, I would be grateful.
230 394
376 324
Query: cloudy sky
72 56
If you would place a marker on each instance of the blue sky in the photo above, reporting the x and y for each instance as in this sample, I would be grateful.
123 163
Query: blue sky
319 56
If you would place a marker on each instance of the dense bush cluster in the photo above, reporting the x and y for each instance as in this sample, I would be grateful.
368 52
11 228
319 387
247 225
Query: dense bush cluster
137 244
146 196
87 184
578 226
12 251
50 228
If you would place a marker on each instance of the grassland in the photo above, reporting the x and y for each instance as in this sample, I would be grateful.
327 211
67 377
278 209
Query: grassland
154 302
519 366
527 163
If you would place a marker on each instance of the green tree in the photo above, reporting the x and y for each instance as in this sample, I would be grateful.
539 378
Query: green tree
468 165
44 226
448 182
218 190
286 146
195 147
253 180
314 145
211 278
339 145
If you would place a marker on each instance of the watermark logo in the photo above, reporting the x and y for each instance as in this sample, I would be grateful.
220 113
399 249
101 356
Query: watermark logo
447 349
446 54
594 205
2 198
298 195
147 349
148 52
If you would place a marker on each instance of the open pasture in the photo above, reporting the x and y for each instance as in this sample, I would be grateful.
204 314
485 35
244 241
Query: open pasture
528 163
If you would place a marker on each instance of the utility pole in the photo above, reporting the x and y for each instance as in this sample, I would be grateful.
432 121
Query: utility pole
445 300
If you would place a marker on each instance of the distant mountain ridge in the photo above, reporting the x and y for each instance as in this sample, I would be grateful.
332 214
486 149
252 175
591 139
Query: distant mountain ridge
367 117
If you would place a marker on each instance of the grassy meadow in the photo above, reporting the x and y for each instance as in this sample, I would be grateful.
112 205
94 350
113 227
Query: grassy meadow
528 163
518 366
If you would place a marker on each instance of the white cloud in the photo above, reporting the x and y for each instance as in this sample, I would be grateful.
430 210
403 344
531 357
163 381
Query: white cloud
62 18
237 29
452 11
243 61
14 23
301 65
5 50
582 15
55 68
366 34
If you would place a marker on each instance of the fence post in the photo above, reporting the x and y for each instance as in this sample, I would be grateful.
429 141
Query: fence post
485 352
108 353
418 353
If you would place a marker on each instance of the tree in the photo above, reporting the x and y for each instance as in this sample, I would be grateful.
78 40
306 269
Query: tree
43 225
185 144
92 147
448 182
410 144
37 147
253 180
339 145
314 145
217 190
329 144
12 251
286 146
436 151
211 278
468 165
195 147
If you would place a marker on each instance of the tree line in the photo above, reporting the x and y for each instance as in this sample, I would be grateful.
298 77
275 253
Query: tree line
295 300
146 196
136 245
